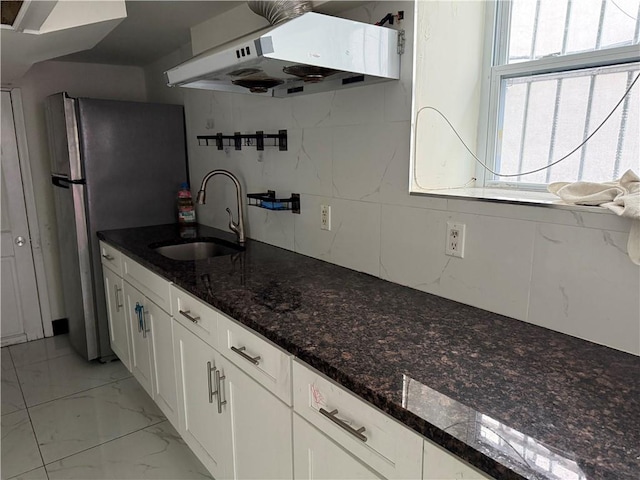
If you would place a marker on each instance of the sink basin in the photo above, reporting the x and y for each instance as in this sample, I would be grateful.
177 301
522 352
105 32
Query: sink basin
198 250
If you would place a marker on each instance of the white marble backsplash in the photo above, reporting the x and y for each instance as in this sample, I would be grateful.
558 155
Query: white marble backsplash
561 269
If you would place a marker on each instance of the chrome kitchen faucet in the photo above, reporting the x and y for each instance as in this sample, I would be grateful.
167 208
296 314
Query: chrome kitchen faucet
237 228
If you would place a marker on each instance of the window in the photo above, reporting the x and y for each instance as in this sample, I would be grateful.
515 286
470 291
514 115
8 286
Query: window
559 67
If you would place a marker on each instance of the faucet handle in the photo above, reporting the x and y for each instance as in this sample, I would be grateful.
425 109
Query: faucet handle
232 225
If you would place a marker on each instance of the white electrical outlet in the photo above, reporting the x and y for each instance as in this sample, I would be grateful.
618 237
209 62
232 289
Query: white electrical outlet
325 217
455 239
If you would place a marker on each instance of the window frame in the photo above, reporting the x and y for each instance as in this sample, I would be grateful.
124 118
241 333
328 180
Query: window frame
496 69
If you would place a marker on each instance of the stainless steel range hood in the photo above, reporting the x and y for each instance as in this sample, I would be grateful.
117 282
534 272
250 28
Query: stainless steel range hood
308 54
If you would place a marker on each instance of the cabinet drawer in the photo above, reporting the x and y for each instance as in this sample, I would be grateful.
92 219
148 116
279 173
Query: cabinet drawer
442 465
111 258
153 286
196 316
264 362
384 444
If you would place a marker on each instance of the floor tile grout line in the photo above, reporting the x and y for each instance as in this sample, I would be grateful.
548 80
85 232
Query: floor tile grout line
76 393
48 359
32 470
19 386
104 443
33 430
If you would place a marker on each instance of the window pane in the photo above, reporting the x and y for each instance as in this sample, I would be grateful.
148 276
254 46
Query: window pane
540 28
544 117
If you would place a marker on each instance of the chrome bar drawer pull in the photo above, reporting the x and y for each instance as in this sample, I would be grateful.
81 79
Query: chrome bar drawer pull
145 330
185 313
221 402
240 351
332 416
138 309
211 392
106 256
118 304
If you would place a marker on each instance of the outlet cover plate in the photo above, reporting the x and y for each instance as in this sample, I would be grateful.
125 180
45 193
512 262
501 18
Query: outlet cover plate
325 217
455 239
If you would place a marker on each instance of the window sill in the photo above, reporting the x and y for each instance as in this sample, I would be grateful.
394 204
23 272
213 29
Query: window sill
511 197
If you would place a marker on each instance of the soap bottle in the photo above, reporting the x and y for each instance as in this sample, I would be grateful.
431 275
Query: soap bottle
186 208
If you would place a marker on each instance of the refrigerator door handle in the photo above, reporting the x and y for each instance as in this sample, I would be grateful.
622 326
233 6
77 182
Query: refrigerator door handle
60 182
64 182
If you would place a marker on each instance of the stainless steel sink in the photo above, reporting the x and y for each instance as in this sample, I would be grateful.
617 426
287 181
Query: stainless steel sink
198 250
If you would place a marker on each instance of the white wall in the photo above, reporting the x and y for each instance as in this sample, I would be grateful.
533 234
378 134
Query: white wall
156 85
564 270
78 79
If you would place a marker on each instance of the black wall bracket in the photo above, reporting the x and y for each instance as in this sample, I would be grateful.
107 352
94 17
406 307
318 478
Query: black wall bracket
269 201
239 140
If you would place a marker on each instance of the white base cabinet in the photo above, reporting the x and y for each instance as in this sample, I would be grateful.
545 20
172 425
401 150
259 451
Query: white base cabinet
235 427
141 329
242 405
317 457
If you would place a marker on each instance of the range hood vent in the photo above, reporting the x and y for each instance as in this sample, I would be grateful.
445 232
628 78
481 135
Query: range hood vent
307 54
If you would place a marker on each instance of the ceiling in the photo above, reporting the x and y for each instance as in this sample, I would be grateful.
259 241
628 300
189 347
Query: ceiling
154 28
151 30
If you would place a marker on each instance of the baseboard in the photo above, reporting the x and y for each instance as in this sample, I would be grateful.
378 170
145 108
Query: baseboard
60 326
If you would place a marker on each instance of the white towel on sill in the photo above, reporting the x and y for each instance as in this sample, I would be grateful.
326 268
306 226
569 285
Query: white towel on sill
621 197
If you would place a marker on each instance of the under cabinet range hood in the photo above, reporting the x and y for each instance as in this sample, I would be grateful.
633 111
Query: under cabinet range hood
308 54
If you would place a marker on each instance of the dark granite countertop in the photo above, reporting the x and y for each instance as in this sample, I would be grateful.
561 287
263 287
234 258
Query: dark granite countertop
513 399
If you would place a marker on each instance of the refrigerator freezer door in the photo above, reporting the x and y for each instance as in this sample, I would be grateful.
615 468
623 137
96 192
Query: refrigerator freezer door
75 263
133 160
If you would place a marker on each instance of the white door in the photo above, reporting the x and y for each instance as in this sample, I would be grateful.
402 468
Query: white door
116 312
203 426
164 369
260 428
316 457
21 316
137 306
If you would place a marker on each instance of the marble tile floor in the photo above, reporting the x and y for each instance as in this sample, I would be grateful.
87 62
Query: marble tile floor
66 418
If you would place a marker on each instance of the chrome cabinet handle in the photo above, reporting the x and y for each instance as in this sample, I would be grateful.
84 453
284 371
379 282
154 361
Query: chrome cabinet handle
106 256
332 416
137 310
240 351
219 378
144 323
118 304
185 313
210 369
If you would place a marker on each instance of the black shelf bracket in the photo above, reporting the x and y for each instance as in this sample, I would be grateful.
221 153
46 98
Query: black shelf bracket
269 201
239 140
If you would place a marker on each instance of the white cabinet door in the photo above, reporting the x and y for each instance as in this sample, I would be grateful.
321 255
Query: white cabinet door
204 427
119 331
316 457
164 392
137 306
260 427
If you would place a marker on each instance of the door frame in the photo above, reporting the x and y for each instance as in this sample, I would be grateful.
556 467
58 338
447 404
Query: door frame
19 126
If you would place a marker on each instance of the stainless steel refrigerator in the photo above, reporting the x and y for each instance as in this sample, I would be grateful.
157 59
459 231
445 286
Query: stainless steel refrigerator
114 164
